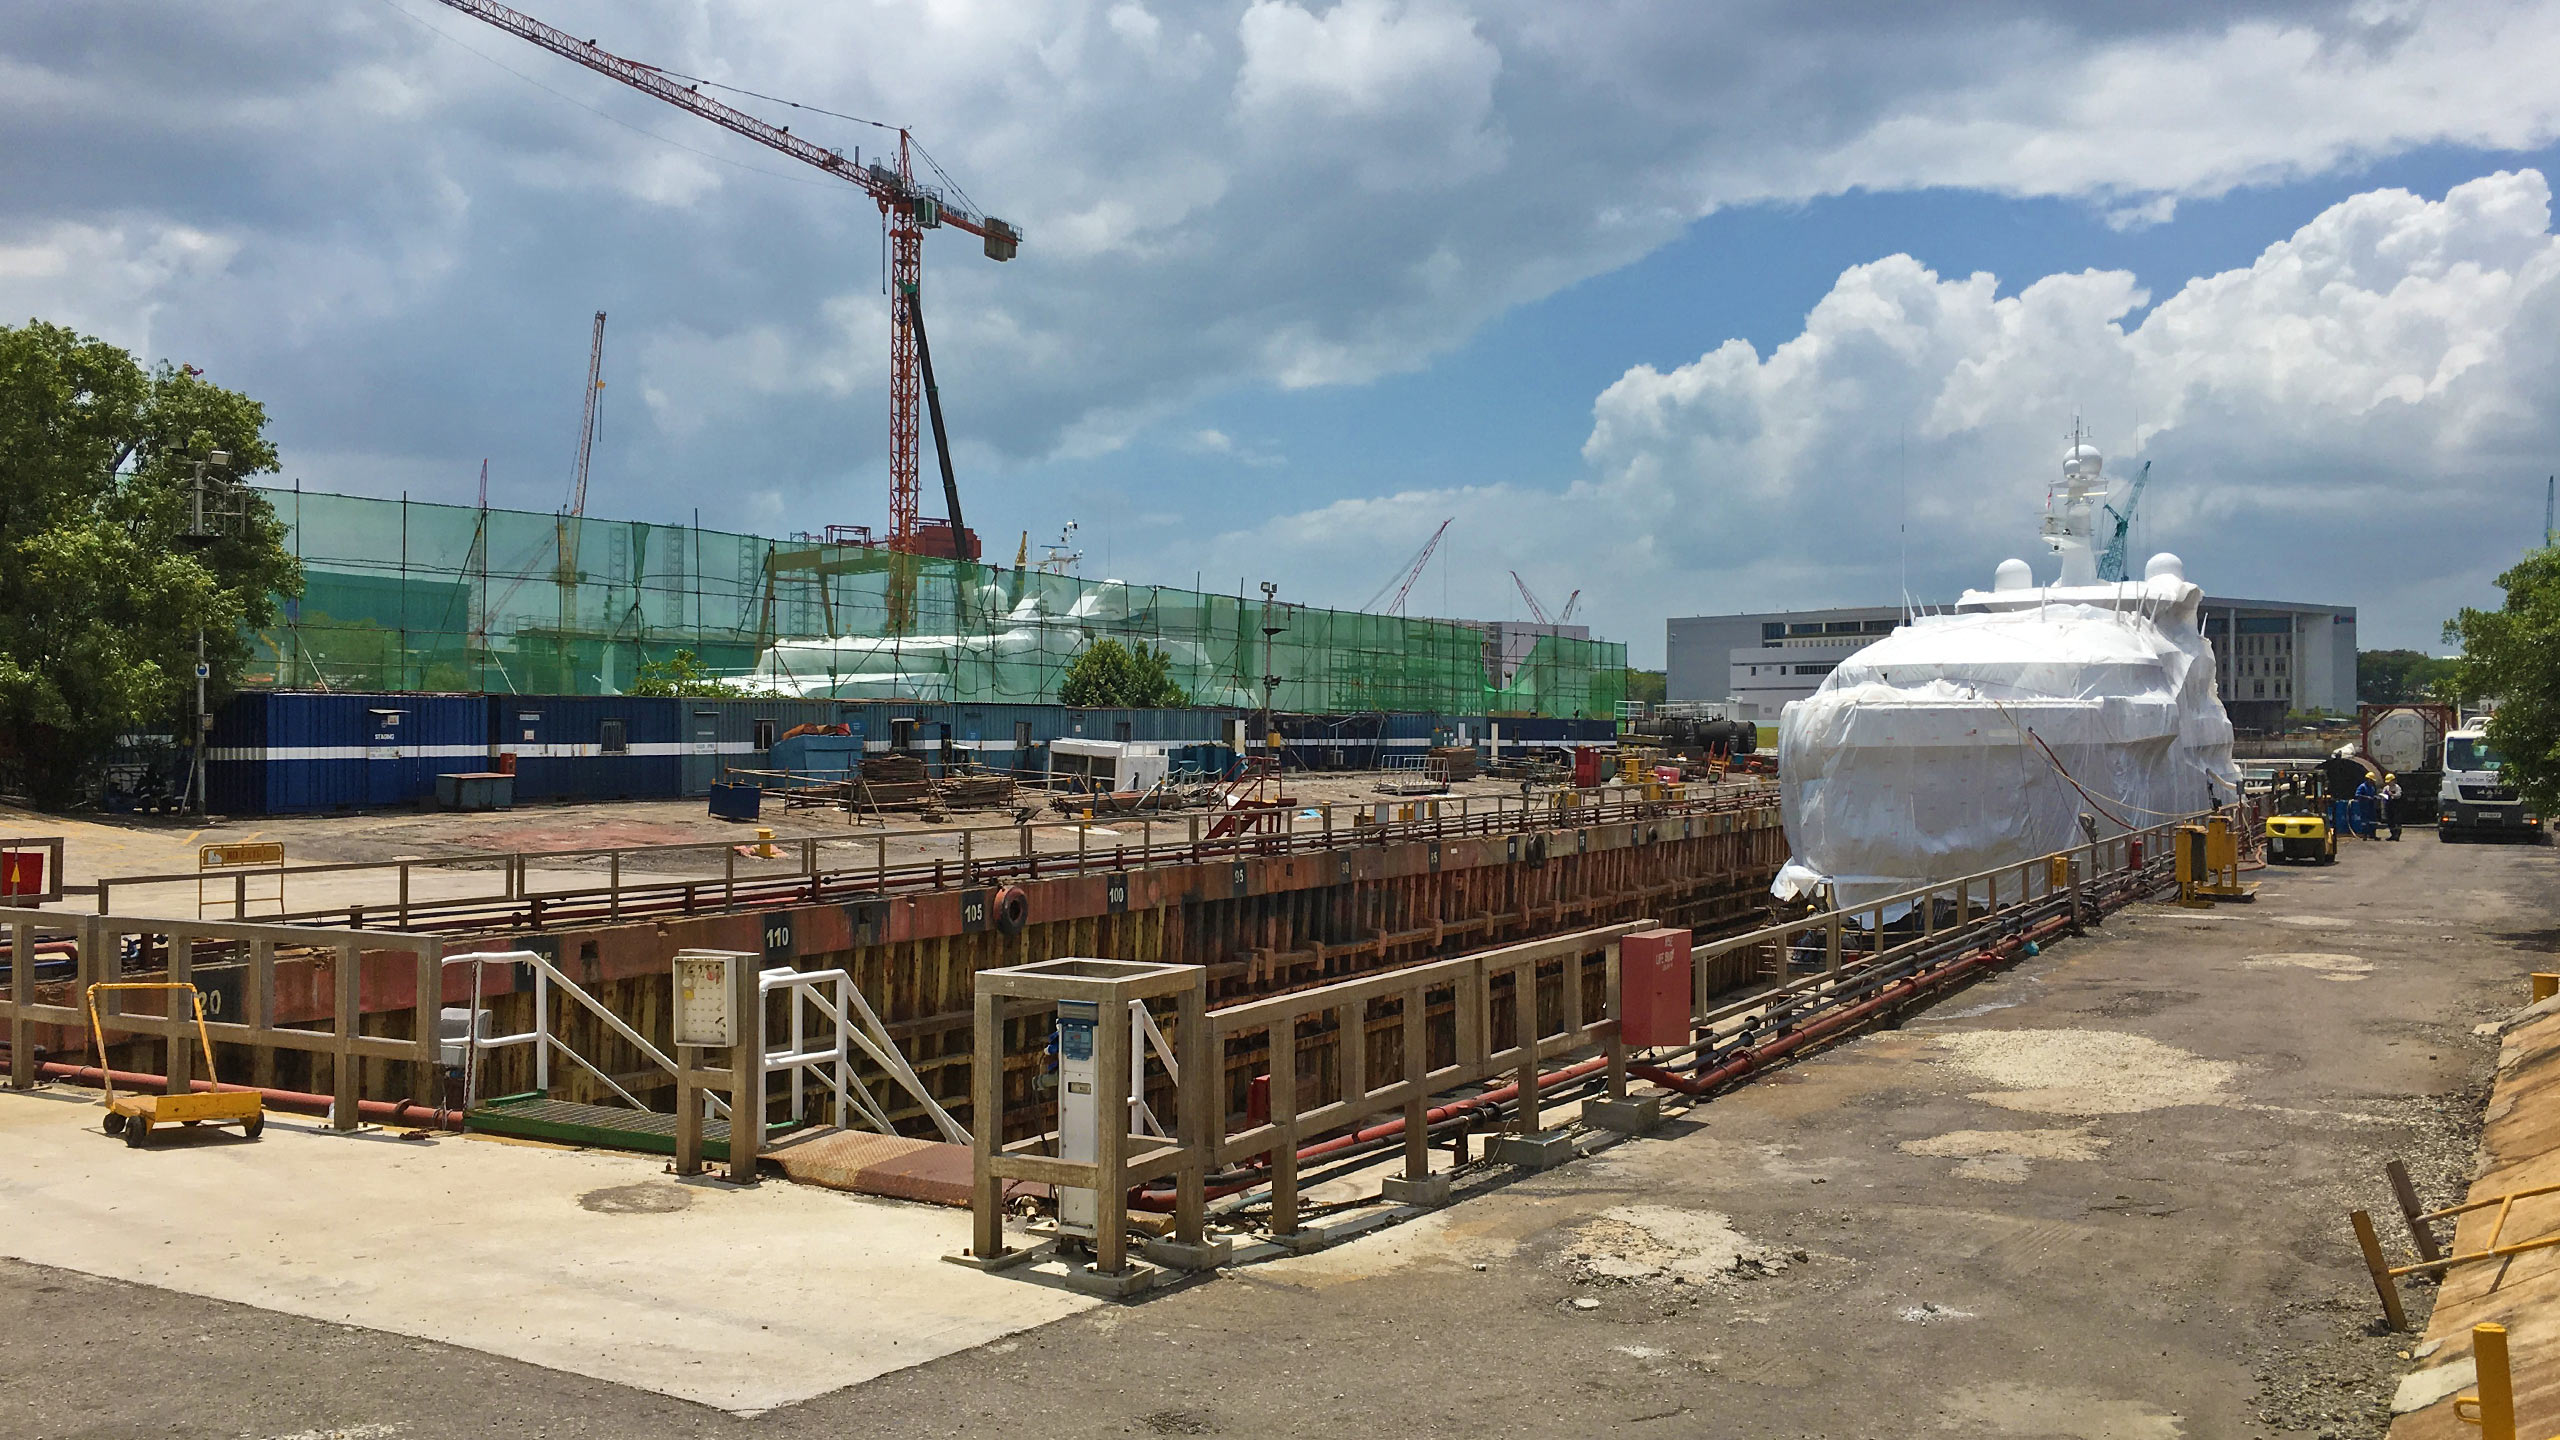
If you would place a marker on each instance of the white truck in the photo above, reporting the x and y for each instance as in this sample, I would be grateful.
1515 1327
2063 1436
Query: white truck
2475 798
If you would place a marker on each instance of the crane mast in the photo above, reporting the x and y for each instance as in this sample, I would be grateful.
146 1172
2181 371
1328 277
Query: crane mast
587 425
907 207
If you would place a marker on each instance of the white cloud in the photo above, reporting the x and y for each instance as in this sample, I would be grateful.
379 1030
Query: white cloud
1226 447
1399 94
109 281
2357 415
1253 193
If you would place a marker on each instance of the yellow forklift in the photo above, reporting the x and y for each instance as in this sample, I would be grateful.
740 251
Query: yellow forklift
2298 827
132 1116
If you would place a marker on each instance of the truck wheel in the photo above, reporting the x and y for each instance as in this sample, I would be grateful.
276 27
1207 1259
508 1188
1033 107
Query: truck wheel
2444 835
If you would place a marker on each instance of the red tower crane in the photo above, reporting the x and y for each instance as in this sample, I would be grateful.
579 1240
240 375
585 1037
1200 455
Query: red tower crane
908 207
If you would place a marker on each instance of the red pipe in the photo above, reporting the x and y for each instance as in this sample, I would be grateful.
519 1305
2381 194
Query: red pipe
394 1112
1891 995
1164 1199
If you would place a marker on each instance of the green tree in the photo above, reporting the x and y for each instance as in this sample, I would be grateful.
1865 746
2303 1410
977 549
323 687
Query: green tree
102 589
1107 673
683 675
2513 654
2400 677
1649 686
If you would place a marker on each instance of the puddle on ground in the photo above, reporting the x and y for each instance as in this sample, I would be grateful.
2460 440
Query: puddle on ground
2002 1156
2086 1072
1658 1242
648 1197
2328 965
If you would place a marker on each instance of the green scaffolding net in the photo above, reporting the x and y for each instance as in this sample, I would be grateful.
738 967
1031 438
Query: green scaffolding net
400 595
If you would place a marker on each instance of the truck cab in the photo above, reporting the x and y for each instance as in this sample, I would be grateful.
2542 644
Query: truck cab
2476 798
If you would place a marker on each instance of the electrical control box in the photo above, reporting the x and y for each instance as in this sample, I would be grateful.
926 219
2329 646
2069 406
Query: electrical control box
1656 973
1079 1110
706 1008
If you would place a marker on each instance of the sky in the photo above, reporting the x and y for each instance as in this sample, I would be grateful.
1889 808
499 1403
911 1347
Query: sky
1687 307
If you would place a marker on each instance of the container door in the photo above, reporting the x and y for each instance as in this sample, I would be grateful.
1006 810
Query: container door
702 753
386 755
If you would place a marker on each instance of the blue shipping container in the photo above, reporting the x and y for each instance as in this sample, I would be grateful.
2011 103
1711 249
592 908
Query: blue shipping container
282 752
592 747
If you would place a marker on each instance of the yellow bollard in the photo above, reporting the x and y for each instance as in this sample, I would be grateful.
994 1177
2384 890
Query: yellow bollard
2545 986
764 844
2494 1408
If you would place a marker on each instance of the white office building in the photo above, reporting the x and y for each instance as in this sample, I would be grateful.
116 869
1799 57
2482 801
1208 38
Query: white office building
2272 657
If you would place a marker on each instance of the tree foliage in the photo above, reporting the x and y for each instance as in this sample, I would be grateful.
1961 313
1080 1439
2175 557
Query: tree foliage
682 675
1109 674
2513 655
2400 677
101 587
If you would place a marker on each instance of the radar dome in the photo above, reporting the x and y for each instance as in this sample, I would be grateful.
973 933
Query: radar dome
2082 462
2165 566
2013 575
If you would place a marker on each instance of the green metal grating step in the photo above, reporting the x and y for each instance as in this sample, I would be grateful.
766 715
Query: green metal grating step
535 1116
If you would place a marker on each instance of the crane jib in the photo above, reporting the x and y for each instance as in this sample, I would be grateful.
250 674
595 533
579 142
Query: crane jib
909 207
884 183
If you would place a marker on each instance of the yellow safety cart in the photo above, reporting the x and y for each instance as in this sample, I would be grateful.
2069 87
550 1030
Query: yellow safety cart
132 1115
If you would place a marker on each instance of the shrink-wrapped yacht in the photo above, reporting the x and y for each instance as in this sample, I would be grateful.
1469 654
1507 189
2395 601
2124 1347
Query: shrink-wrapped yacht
2027 720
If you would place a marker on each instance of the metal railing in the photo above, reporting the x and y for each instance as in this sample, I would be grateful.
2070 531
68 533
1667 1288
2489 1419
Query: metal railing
815 869
853 1029
856 1027
546 978
104 947
1477 1054
1441 1017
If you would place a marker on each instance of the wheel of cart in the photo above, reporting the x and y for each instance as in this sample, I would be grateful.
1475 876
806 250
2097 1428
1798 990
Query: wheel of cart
133 1116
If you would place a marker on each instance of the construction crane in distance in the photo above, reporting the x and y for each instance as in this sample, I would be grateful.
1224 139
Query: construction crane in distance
1535 609
1402 581
2111 563
1540 611
587 423
565 529
907 207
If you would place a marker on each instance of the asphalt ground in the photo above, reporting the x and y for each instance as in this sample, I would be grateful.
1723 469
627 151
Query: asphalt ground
2101 1194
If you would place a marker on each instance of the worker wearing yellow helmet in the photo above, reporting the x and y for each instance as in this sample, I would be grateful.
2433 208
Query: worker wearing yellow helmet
2391 803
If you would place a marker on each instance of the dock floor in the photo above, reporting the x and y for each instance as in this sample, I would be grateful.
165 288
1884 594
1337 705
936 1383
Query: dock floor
590 1262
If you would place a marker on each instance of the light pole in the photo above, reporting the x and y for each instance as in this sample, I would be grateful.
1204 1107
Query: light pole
1270 682
197 532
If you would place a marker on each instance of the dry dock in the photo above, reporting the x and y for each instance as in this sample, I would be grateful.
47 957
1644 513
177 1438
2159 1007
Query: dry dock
2098 1194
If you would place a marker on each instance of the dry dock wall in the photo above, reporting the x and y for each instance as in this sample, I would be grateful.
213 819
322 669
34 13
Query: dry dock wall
1262 924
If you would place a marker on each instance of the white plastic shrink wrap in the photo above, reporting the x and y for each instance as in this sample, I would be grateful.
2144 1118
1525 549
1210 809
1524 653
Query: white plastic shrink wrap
1919 758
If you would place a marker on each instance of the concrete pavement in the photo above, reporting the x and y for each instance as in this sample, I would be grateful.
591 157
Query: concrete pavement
594 1263
2101 1195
